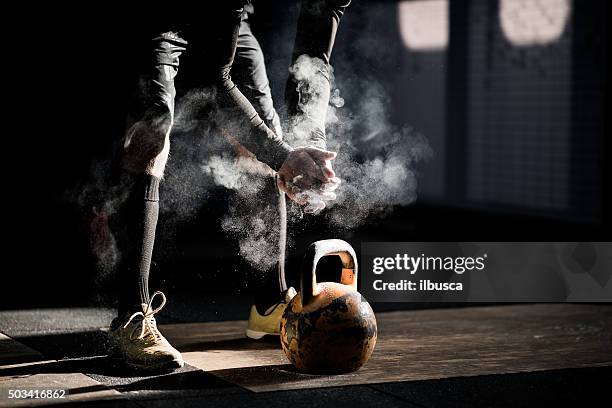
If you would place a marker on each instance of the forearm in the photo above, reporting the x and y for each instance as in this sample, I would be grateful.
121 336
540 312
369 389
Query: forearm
308 100
252 132
309 86
245 125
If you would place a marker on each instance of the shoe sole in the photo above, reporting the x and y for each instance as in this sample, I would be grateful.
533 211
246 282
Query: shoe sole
257 335
166 366
118 359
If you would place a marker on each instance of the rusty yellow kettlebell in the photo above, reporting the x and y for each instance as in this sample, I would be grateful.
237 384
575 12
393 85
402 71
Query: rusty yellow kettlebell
328 327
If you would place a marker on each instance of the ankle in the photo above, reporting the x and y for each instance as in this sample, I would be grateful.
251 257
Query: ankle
264 302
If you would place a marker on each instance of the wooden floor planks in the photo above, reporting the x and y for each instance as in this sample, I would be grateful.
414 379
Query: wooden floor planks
79 387
412 345
418 345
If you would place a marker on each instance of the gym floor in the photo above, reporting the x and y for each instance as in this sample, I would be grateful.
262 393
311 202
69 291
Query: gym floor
511 355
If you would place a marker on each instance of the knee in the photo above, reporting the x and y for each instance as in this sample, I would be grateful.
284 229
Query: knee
147 144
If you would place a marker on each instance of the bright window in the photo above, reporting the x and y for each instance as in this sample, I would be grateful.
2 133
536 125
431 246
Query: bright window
424 24
533 22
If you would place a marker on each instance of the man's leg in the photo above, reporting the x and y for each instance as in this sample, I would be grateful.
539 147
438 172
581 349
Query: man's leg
249 74
271 292
143 159
258 220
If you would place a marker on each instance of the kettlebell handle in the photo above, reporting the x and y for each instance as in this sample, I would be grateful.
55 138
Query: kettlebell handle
318 250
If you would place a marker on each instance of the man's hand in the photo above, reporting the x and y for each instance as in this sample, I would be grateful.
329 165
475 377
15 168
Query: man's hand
307 177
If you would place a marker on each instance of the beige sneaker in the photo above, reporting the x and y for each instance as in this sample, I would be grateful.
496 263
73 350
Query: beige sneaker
268 323
140 345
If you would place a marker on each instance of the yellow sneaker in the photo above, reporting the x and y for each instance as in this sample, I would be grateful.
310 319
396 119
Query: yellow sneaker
269 322
139 344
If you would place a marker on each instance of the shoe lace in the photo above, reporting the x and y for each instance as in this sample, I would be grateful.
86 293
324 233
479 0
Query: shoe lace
148 319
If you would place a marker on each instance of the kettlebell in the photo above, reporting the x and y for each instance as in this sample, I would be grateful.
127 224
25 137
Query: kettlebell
328 327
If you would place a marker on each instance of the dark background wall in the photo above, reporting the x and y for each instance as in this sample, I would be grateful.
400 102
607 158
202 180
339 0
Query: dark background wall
518 133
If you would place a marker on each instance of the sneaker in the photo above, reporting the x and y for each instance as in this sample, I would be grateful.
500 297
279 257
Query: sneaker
269 322
140 345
